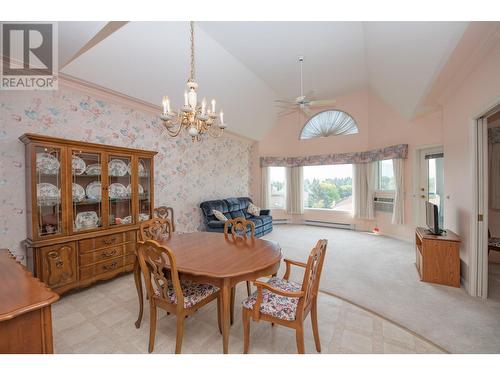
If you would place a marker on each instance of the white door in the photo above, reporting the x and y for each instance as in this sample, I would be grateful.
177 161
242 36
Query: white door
430 184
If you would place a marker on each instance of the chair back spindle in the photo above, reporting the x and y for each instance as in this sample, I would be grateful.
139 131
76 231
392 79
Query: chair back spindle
154 259
155 229
240 227
164 212
312 275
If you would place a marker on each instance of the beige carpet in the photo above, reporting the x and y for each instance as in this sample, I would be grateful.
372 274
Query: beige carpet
100 319
379 273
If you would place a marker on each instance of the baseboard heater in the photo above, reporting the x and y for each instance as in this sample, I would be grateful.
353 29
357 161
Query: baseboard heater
330 224
281 221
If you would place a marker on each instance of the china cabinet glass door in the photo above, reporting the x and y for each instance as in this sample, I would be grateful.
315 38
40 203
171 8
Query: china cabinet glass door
144 188
48 177
86 190
120 190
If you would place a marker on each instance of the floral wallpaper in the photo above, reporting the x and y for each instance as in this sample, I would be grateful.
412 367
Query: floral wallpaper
186 173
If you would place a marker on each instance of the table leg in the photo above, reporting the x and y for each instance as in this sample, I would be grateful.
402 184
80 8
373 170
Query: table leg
226 313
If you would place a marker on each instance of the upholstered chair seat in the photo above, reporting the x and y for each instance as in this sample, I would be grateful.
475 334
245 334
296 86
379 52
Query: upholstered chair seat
280 307
193 293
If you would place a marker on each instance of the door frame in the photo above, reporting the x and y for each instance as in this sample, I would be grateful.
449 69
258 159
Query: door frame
478 259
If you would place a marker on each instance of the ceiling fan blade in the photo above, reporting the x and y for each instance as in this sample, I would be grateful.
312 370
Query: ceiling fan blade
285 101
286 113
322 103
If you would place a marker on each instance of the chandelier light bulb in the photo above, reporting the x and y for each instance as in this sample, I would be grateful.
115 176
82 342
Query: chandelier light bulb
213 105
185 98
203 106
221 116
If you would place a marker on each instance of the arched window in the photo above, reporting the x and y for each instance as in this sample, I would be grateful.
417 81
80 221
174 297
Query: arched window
328 123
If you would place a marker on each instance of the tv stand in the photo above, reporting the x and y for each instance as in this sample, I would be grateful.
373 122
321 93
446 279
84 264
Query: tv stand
438 257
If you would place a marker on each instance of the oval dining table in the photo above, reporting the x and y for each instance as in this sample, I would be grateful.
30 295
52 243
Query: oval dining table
224 261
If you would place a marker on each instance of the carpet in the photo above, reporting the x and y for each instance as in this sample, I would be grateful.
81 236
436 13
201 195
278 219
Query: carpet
379 273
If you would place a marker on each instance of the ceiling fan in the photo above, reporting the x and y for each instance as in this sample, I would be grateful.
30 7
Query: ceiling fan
303 103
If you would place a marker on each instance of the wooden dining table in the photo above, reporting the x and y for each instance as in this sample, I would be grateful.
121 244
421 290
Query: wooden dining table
223 261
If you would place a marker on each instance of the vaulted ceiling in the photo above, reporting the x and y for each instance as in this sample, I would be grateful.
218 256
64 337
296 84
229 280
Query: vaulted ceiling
247 65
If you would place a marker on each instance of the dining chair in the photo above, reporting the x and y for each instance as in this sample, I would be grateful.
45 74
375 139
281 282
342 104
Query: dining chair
153 229
164 212
179 297
240 229
287 303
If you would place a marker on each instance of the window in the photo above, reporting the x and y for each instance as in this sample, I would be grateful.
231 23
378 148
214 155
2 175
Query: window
278 186
328 187
329 123
385 176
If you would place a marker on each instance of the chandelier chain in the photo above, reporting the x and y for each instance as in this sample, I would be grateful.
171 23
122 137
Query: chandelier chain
192 76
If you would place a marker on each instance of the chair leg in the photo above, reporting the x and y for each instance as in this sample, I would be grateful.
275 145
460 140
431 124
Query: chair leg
138 286
219 312
180 333
314 323
249 289
299 338
246 329
152 326
233 293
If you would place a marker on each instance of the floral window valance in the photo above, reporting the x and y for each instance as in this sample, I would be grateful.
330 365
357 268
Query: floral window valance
391 152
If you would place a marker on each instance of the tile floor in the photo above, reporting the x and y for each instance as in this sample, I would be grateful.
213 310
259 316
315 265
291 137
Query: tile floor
100 319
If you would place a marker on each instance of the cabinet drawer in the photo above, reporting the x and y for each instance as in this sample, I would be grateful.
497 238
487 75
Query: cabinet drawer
92 244
106 253
106 267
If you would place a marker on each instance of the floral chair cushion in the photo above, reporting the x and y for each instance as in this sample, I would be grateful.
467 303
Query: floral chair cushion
280 307
193 292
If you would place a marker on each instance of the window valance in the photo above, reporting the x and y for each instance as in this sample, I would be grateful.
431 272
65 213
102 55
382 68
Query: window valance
391 152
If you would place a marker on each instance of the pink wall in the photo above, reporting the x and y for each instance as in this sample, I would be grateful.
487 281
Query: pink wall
452 126
479 92
379 126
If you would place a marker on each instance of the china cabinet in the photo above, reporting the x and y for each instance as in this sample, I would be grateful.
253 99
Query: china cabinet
84 205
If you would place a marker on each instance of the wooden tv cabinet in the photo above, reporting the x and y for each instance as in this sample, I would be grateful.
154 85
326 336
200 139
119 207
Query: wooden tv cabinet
438 257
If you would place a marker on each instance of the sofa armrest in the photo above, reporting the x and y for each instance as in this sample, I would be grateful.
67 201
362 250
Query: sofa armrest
265 212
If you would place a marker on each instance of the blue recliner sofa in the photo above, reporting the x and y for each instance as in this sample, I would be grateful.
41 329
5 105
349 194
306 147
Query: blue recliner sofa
232 208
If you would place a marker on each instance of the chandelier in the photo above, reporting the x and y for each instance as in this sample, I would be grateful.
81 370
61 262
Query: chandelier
196 119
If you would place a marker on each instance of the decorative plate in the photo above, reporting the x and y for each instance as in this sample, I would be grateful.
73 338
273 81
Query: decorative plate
47 163
127 220
93 170
142 169
86 220
78 165
94 190
143 217
117 190
129 189
78 193
47 194
117 168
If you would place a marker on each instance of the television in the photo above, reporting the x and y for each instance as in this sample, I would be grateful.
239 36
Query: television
432 218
